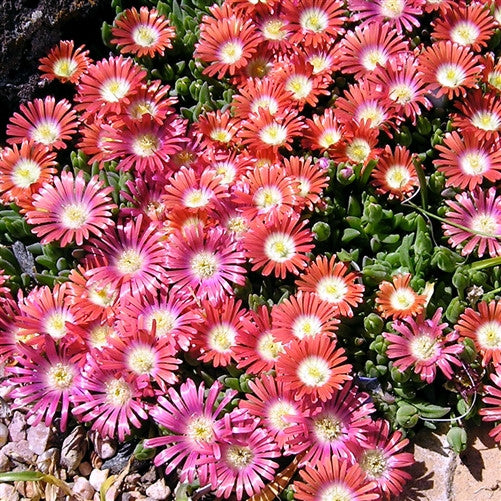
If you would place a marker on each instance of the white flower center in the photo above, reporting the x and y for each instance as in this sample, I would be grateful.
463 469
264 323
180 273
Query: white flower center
319 62
486 120
200 429
114 89
74 216
237 225
60 376
392 8
464 33
64 67
273 134
273 29
474 163
204 265
118 392
165 321
55 324
494 78
424 347
314 19
336 492
220 135
489 335
372 57
196 198
267 348
46 132
129 262
144 35
98 336
401 93
279 247
402 298
145 145
226 170
277 413
221 338
25 173
102 296
373 463
141 359
397 176
327 428
239 456
314 371
299 85
139 108
306 326
332 289
486 224
329 137
266 102
231 52
358 150
267 197
371 112
450 75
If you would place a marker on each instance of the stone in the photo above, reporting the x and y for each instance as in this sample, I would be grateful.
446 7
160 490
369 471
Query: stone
85 468
83 488
38 437
97 477
19 452
5 462
47 460
4 434
17 427
159 490
8 493
73 449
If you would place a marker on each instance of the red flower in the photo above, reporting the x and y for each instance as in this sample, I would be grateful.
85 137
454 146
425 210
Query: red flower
64 62
397 299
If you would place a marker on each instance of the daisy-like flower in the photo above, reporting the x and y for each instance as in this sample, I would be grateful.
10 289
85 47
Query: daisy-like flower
492 71
334 479
471 25
364 49
397 299
44 121
311 179
279 246
108 399
129 257
23 170
226 43
324 59
467 160
314 22
273 401
219 330
381 460
142 33
483 326
449 68
399 14
96 141
395 173
151 99
193 421
108 85
274 28
205 262
217 127
45 381
480 113
333 283
303 315
256 347
473 222
64 62
334 428
314 367
421 344
70 209
247 453
322 131
492 402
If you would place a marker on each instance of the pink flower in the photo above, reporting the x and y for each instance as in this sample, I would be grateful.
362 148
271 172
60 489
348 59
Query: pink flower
492 401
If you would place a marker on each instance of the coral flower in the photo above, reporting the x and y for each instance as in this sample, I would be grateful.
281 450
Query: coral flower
226 44
471 25
484 328
45 382
217 127
395 173
193 421
473 222
322 131
23 170
313 367
43 121
142 33
334 479
70 209
152 99
278 246
358 145
467 160
397 299
382 461
449 68
204 262
492 402
333 283
492 71
64 62
421 344
108 85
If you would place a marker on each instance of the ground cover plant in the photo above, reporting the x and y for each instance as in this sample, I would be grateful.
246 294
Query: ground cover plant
261 240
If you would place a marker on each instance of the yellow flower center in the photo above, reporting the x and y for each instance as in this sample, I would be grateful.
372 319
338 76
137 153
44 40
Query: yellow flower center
268 348
118 392
401 93
358 150
200 429
114 89
329 137
60 376
402 298
55 324
278 412
306 326
273 134
486 120
231 52
102 296
372 57
141 360
392 8
424 347
196 198
300 86
489 335
314 371
129 262
220 135
332 289
98 336
204 265
314 19
265 102
25 173
237 225
279 247
397 176
145 35
485 224
327 428
474 163
221 338
494 78
145 145
267 197
373 463
239 456
336 492
46 132
450 75
273 29
371 112
464 33
74 216
165 321
64 67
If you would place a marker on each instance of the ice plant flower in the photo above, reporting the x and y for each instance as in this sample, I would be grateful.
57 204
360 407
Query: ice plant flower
70 209
314 367
142 33
492 401
64 62
421 343
473 222
44 121
483 326
194 423
397 299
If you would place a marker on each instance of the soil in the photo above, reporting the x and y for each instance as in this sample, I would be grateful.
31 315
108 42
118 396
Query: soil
28 30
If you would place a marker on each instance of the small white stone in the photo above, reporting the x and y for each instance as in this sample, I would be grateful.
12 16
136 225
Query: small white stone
159 490
97 477
83 488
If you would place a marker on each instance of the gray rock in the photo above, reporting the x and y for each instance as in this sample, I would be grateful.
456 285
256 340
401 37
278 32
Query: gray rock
47 459
73 449
38 437
5 462
8 493
159 491
17 427
19 452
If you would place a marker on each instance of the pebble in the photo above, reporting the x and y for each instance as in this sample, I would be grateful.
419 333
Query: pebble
85 468
5 463
159 491
17 427
97 477
73 449
47 459
4 435
38 437
83 488
20 450
8 493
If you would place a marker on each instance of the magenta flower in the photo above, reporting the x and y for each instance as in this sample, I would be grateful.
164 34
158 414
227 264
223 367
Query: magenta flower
492 401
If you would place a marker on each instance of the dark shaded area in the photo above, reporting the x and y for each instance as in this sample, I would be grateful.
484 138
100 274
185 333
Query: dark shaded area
28 30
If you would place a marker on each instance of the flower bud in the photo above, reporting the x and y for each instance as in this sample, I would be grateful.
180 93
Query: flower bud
321 230
373 324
